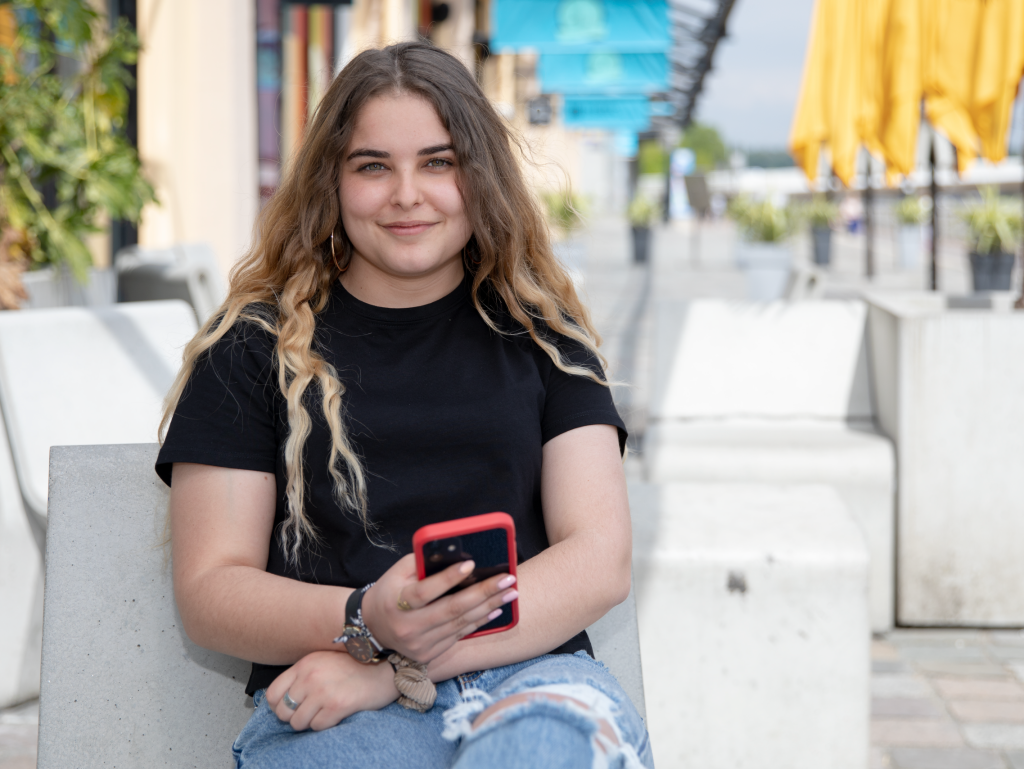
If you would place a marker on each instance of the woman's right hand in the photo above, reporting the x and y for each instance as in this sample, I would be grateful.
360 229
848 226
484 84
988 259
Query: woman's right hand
434 623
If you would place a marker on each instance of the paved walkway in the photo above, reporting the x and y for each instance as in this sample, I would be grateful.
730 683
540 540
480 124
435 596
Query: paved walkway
948 699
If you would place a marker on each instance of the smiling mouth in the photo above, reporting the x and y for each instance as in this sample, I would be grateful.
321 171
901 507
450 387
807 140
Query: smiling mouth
408 228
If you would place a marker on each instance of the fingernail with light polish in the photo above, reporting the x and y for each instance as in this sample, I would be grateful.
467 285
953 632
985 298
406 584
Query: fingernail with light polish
494 614
508 581
466 567
510 596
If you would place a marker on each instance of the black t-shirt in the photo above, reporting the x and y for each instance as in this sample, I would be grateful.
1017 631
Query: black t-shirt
448 417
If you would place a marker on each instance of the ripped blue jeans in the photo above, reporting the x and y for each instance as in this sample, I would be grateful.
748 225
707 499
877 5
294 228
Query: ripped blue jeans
588 723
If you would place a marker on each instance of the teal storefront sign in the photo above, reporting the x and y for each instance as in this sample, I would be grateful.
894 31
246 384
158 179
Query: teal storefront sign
577 26
627 113
603 72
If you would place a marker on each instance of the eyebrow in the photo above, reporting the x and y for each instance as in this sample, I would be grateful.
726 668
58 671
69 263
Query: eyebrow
380 154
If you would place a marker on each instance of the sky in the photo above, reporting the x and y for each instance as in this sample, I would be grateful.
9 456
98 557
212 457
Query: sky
751 93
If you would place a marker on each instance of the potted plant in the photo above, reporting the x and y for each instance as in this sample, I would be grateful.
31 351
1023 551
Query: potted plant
566 212
911 214
820 214
65 163
994 230
642 212
762 251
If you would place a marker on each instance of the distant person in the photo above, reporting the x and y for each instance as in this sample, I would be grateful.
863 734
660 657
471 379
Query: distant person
851 211
398 348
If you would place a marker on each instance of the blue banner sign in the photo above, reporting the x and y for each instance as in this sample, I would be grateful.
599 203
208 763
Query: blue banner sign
603 72
626 113
577 26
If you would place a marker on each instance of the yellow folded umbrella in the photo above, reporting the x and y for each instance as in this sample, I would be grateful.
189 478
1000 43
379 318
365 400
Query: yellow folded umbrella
1000 65
900 121
811 123
949 56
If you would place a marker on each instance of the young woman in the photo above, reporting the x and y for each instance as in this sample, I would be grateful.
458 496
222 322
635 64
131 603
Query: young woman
401 348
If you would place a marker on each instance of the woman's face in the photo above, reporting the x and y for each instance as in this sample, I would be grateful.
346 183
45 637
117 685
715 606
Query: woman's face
400 201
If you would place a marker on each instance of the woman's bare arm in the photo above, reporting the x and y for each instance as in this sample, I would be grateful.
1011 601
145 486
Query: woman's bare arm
221 525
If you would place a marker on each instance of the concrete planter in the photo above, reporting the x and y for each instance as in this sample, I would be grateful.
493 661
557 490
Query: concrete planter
767 267
948 386
55 287
821 239
910 243
991 272
641 245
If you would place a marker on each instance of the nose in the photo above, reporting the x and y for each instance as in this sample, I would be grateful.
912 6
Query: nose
407 193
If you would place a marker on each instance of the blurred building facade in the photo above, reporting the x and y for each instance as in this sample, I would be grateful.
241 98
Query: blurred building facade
224 90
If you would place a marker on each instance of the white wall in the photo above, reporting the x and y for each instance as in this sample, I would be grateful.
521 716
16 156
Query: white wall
197 122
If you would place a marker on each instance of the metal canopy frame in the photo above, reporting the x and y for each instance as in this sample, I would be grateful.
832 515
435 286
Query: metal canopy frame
695 34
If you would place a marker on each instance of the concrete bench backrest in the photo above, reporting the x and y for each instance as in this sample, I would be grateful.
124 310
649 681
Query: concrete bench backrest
778 360
121 683
80 375
187 271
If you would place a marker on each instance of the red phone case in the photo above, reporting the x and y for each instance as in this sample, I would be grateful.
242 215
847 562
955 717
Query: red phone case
470 525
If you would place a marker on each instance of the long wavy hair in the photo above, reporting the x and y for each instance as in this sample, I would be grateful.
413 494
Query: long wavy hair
285 279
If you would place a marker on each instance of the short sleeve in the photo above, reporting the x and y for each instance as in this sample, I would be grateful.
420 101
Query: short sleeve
228 412
572 401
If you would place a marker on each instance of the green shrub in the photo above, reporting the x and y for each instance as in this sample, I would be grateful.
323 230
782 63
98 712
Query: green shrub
913 209
642 211
761 221
566 210
994 223
818 213
64 159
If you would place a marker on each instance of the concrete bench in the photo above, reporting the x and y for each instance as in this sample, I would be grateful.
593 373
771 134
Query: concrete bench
188 271
948 381
752 601
776 393
69 375
122 684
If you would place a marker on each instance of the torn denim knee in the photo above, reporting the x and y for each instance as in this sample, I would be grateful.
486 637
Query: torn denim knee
584 709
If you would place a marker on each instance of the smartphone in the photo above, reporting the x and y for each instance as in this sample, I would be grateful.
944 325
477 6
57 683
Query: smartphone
487 540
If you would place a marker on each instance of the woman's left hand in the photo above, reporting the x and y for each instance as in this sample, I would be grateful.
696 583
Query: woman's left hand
329 687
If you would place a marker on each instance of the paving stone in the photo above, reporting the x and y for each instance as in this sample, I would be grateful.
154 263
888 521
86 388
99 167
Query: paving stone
877 759
998 736
947 653
906 707
883 650
1018 669
979 688
919 732
1015 758
1007 653
1006 637
899 686
935 637
889 666
963 669
981 711
944 758
18 744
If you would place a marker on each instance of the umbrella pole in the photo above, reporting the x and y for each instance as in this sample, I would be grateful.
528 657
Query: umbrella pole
869 220
935 219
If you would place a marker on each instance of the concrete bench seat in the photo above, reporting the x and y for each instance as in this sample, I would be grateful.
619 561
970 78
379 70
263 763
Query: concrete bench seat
752 602
67 375
776 393
122 684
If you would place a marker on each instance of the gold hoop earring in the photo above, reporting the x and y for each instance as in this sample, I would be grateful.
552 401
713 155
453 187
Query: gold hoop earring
335 256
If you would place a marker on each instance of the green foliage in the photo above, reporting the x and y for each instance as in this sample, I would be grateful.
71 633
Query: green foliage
63 133
652 158
913 209
566 210
994 223
761 221
707 146
819 212
642 211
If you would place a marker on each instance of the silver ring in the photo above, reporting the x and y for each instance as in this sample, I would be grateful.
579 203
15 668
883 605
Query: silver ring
289 702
